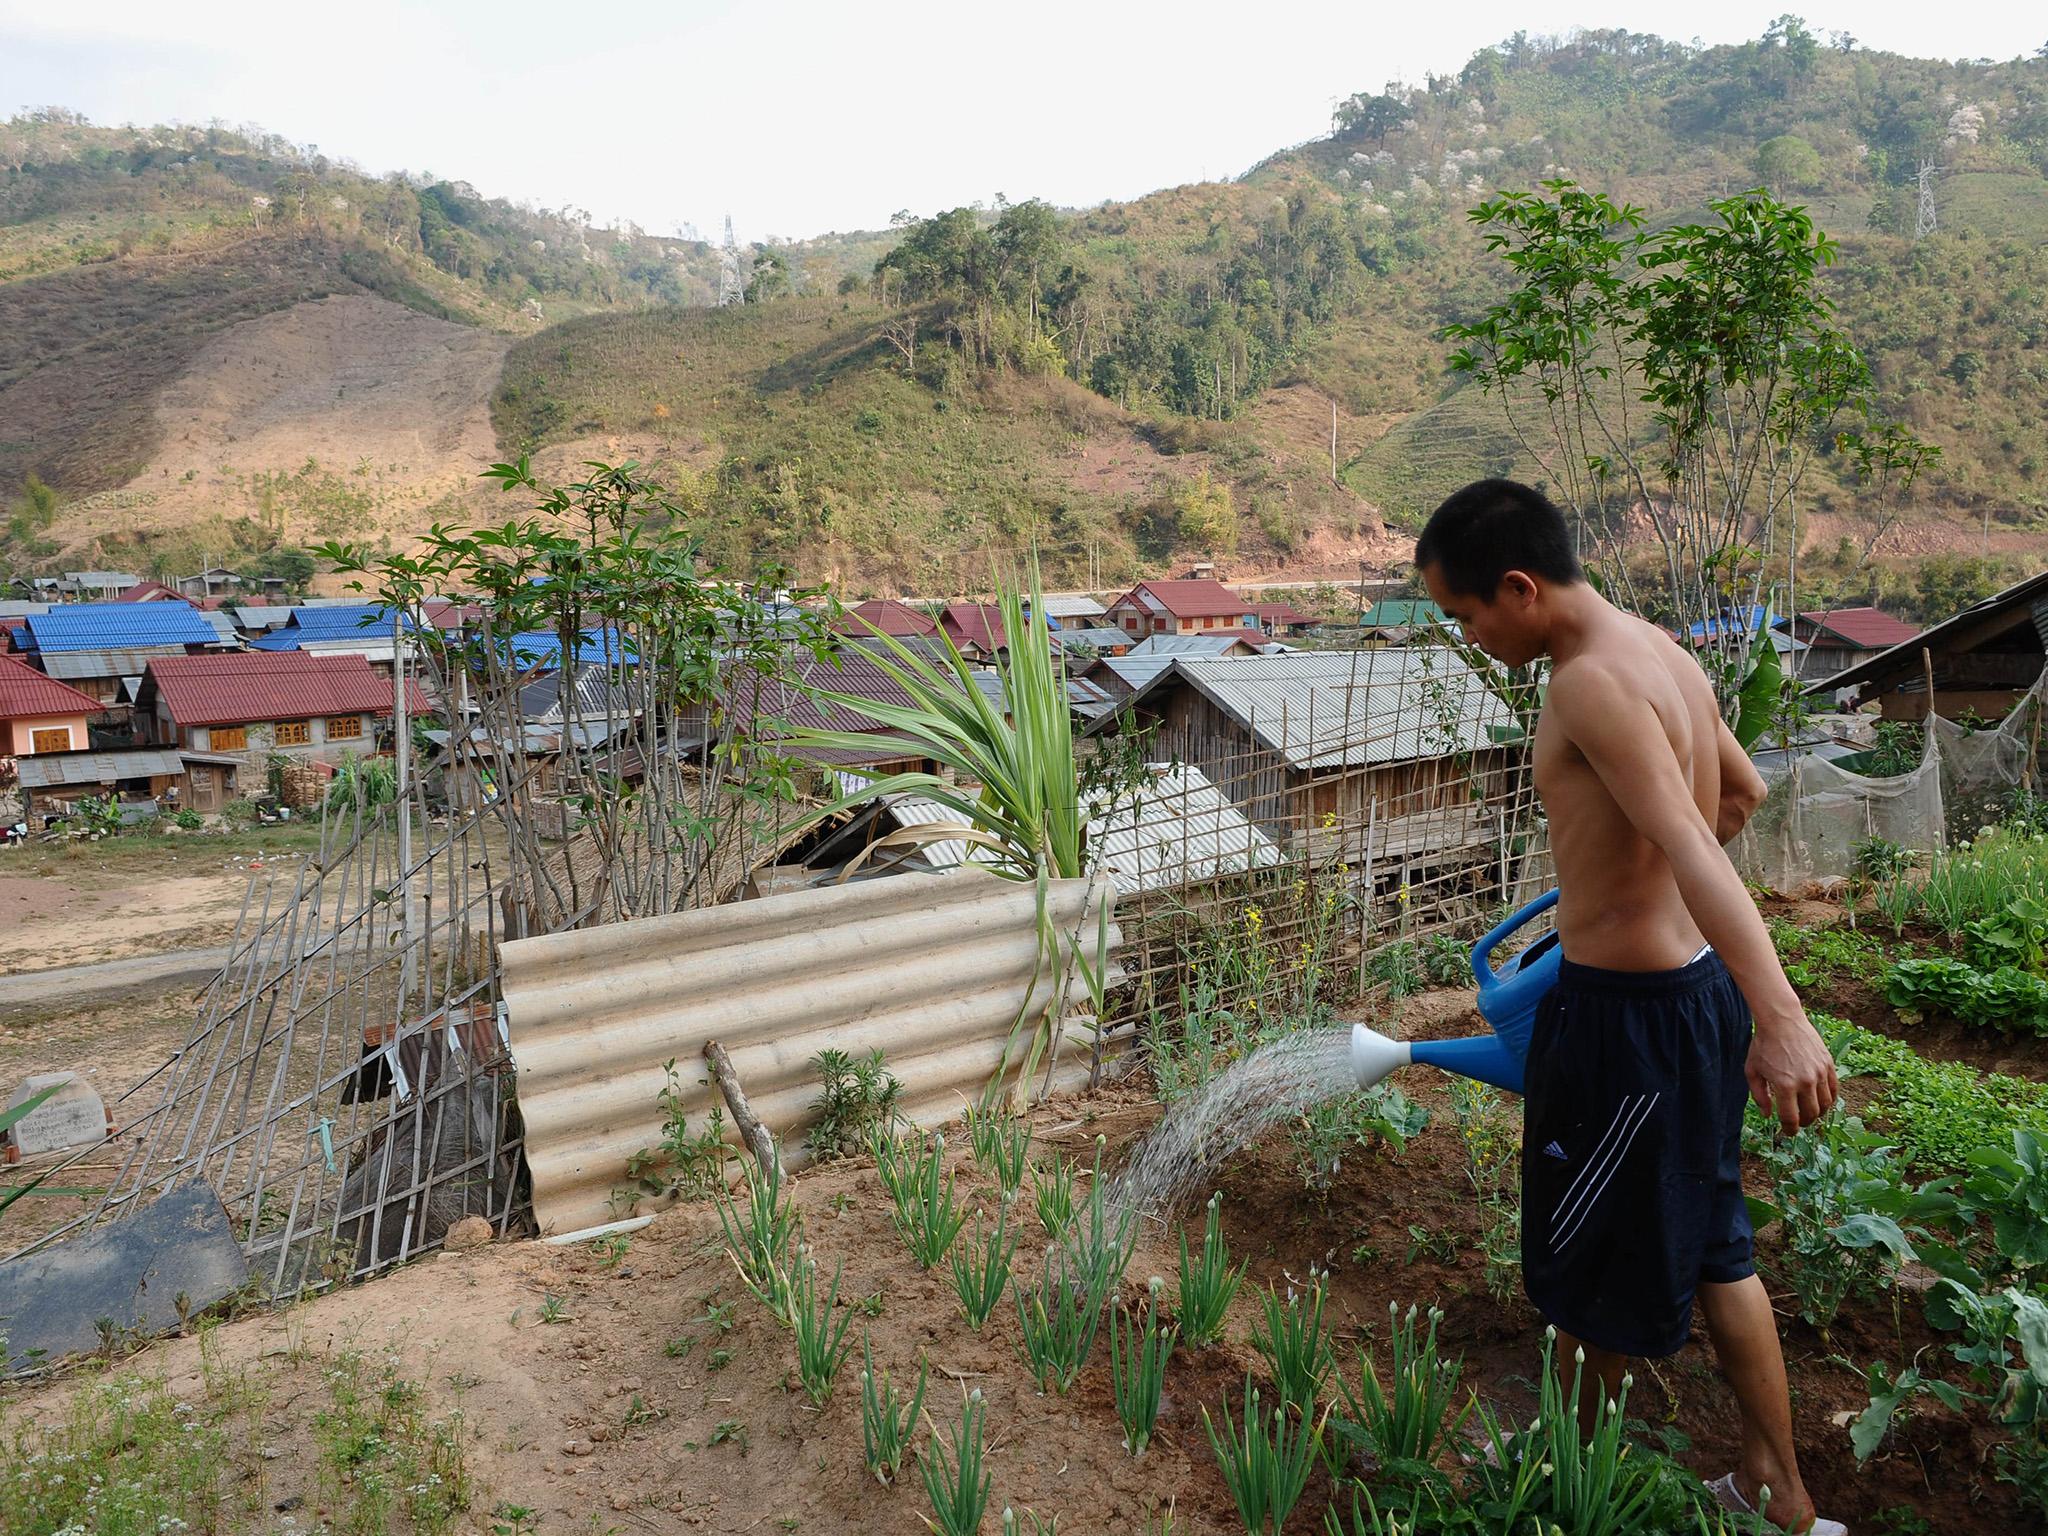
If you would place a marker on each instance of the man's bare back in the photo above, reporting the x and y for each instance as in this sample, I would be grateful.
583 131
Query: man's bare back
1619 906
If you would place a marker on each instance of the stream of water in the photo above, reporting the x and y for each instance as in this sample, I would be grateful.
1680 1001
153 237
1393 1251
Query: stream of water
1198 1134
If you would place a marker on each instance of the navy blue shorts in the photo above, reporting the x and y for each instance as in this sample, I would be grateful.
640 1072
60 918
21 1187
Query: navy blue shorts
1632 1151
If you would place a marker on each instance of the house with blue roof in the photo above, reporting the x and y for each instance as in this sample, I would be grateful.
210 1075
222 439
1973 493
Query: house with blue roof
117 627
542 649
338 629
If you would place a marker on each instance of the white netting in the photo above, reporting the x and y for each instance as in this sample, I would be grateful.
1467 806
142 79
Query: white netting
1816 812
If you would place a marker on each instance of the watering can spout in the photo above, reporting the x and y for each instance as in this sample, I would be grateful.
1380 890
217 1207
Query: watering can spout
1374 1056
1508 998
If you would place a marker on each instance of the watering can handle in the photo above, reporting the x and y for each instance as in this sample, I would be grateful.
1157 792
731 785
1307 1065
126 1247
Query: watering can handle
1483 950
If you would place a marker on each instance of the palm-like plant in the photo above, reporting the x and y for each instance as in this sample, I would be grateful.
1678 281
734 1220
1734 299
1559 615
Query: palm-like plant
1028 821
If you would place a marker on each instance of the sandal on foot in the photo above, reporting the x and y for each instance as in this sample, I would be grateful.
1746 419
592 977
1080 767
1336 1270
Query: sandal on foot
1730 1498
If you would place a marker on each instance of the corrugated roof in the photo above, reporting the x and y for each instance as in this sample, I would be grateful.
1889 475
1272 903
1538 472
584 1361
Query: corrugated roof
72 665
24 692
150 592
1179 830
1282 613
978 624
1073 608
261 616
1214 644
2033 591
257 686
763 706
118 626
1401 613
46 770
1327 709
1092 637
885 615
116 579
1863 629
20 608
1195 598
1135 671
597 694
543 648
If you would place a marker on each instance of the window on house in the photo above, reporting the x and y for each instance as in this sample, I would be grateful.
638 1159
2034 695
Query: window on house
230 738
294 733
57 740
345 728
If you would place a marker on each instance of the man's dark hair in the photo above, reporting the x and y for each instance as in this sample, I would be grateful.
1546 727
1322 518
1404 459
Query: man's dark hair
1492 527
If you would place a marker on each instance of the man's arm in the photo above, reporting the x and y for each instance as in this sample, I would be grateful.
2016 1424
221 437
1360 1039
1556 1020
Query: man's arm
1620 735
1742 787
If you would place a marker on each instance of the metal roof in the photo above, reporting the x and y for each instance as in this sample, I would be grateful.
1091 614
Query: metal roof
543 647
596 694
1092 636
25 693
261 615
118 626
1073 608
46 770
1328 709
1401 613
1190 598
1197 645
255 686
18 608
102 578
1179 830
121 663
1136 671
886 615
2034 591
1863 629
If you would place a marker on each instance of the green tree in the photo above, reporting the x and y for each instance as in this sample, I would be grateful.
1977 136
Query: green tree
1788 162
1206 515
1687 376
770 276
1377 115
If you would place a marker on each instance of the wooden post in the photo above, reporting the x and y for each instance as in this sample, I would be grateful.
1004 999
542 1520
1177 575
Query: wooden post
755 1134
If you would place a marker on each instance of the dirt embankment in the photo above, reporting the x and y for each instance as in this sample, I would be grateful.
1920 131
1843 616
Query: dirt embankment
343 417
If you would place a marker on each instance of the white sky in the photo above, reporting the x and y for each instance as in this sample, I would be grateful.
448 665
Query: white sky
799 118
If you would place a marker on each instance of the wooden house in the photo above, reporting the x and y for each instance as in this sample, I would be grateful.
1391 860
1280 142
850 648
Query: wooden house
1319 747
1983 661
252 704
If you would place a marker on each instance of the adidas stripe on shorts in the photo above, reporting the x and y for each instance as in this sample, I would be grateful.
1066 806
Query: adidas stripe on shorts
1632 1151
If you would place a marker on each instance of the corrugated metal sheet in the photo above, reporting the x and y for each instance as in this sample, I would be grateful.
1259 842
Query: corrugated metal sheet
1073 608
929 968
1136 671
24 691
72 665
46 769
1180 831
1197 645
1324 709
118 626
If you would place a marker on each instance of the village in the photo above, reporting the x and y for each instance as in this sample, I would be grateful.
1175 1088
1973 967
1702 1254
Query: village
345 933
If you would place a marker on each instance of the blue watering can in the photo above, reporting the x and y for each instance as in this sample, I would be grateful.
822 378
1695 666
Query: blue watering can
1508 998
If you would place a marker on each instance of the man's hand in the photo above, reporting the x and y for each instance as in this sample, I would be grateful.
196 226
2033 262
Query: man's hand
1791 1073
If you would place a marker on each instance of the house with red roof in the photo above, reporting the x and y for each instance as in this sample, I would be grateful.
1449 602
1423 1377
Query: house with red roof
253 703
151 592
1284 619
1836 639
884 616
976 630
39 714
1197 606
762 707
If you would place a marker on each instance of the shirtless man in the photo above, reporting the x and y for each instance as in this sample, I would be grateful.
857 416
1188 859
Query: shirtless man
1643 1054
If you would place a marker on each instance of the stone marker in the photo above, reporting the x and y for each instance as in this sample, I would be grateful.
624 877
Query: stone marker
73 1116
140 1273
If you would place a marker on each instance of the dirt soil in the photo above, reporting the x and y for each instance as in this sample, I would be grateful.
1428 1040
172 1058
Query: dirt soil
392 402
76 903
549 1403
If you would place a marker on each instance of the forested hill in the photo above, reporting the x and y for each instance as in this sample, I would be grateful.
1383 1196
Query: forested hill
1140 382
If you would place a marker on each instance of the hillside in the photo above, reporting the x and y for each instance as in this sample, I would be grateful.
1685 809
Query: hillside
1123 388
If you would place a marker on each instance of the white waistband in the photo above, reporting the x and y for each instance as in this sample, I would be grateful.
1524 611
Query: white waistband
1705 950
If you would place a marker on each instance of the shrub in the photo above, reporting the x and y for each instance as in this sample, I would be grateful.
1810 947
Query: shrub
858 1098
1447 961
1381 1115
688 1165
